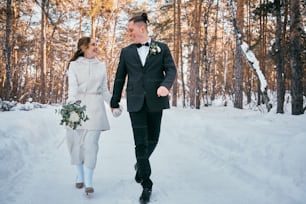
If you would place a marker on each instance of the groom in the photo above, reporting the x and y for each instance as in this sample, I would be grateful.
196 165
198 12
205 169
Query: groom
150 70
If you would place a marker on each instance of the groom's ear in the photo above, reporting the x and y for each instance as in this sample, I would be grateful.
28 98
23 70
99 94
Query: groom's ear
143 28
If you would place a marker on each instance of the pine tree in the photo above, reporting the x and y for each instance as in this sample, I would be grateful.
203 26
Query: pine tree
295 58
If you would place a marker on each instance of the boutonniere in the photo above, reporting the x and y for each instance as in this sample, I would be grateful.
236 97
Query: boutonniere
154 49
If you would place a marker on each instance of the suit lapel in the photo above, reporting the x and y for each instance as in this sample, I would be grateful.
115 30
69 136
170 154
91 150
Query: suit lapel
136 55
149 56
147 59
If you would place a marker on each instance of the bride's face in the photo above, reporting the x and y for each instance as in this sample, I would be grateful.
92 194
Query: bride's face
92 50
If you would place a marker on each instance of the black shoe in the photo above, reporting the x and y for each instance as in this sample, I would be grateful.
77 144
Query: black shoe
145 196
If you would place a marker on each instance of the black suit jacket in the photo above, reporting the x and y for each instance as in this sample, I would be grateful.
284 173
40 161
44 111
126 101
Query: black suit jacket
143 81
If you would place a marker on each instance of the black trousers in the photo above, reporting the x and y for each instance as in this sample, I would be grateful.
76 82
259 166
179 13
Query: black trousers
146 130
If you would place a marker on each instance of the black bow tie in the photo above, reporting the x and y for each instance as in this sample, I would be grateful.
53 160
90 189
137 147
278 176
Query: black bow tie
144 44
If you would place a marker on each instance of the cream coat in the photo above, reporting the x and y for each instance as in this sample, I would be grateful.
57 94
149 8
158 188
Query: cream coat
87 80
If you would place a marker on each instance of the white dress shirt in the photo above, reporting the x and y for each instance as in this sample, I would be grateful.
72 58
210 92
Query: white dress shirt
143 52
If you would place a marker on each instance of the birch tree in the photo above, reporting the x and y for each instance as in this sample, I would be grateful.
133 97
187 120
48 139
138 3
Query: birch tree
205 71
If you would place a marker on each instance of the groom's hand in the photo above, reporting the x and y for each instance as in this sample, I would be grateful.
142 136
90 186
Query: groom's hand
162 91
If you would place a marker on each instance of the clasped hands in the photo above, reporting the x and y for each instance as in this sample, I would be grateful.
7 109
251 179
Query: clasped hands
117 111
161 91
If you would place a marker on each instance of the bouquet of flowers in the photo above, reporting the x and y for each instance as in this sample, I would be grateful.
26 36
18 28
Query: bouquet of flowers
73 114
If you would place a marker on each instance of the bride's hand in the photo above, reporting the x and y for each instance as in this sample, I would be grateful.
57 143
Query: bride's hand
117 111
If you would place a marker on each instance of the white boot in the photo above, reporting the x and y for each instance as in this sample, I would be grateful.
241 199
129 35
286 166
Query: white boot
88 180
80 176
80 173
88 176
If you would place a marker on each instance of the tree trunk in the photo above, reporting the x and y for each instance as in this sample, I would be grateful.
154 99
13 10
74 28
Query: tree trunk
176 50
238 79
93 27
225 61
198 58
8 51
224 87
215 53
206 66
194 71
15 67
286 44
43 46
295 58
263 52
80 20
279 60
248 77
180 64
193 76
238 102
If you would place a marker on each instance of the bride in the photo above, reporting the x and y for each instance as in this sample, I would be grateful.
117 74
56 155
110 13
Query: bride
87 81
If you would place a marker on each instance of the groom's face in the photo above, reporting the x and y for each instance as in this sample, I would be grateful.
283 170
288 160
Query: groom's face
136 31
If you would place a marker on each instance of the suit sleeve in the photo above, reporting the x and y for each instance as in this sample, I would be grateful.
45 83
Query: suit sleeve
119 82
169 68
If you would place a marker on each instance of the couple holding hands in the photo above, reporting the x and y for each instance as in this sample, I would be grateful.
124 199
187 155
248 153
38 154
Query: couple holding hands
150 72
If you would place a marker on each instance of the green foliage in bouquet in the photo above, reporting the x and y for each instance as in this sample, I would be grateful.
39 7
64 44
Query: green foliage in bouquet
73 114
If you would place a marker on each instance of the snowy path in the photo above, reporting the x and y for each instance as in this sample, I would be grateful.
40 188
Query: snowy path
215 156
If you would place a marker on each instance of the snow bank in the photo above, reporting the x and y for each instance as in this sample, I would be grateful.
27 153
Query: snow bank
24 137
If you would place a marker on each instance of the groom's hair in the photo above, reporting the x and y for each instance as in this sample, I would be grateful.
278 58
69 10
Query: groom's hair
140 18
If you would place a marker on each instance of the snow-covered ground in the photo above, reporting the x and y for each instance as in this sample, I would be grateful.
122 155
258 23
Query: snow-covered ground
216 155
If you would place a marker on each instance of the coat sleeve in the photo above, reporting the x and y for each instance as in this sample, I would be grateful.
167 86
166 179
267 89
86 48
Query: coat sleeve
119 81
72 83
105 91
169 68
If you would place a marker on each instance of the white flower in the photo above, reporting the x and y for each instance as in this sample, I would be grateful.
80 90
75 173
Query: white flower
154 49
74 117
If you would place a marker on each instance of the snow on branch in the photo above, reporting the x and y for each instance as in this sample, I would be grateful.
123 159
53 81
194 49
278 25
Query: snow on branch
249 55
253 62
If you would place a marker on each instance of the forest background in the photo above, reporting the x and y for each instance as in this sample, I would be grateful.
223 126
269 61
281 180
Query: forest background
245 51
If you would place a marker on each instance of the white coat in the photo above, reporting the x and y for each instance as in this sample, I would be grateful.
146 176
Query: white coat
87 81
